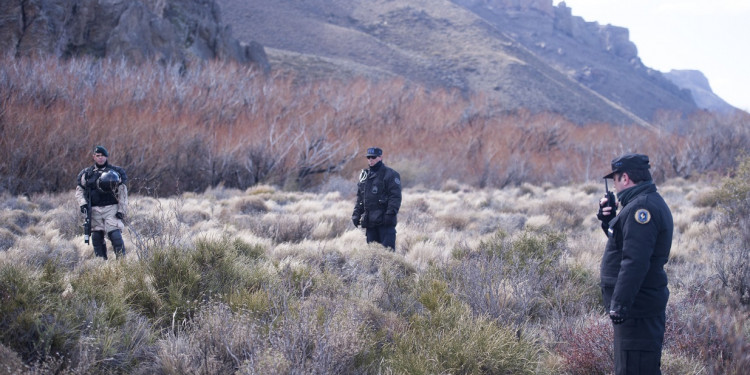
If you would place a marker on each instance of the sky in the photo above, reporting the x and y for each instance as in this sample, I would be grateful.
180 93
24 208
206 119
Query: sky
712 36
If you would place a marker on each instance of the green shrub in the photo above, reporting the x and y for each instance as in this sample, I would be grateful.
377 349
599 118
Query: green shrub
176 279
449 339
140 293
256 251
34 321
99 290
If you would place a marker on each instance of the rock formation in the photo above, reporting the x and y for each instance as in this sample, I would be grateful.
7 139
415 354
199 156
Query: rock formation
168 31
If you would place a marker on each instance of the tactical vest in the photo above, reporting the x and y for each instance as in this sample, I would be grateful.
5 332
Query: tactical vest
97 197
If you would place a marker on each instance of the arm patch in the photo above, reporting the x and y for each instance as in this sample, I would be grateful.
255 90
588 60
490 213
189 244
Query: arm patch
642 216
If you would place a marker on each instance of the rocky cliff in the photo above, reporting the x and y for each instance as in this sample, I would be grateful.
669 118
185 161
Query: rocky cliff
520 53
171 31
697 84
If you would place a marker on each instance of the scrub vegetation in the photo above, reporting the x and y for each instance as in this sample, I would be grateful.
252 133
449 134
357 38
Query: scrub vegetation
263 281
242 257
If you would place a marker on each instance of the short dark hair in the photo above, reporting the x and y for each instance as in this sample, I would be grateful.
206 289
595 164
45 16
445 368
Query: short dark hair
638 175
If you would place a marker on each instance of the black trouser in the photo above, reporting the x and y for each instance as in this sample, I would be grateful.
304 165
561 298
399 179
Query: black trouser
100 247
638 344
385 236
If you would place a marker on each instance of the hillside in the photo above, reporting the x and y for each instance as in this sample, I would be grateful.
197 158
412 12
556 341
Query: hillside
520 54
513 54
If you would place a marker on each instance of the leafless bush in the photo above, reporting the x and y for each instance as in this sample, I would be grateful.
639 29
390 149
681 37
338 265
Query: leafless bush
514 279
731 255
587 347
153 226
239 129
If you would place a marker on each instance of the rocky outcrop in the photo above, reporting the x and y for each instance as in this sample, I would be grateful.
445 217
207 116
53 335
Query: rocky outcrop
543 6
168 31
698 85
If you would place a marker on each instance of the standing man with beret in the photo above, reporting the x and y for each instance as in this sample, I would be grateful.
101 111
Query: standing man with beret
104 186
378 200
633 281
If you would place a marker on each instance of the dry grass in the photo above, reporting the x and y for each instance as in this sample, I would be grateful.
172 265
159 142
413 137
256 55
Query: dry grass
262 280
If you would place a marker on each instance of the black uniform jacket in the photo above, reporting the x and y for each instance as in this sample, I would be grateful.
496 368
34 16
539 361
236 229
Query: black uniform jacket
633 280
378 196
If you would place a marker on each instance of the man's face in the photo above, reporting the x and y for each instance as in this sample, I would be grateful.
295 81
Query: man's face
622 182
372 160
99 159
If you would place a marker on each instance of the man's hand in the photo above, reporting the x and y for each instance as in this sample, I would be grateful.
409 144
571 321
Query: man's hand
120 215
389 220
616 318
355 220
607 211
83 209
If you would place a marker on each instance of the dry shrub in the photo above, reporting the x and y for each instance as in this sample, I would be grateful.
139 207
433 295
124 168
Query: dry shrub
192 217
7 239
587 347
282 228
457 221
250 206
10 363
715 336
732 251
239 129
565 215
519 278
382 277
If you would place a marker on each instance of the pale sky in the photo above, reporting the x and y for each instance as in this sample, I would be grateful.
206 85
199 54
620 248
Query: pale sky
710 36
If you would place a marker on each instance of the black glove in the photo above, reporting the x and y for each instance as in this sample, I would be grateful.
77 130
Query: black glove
355 220
83 209
389 220
616 318
606 218
120 215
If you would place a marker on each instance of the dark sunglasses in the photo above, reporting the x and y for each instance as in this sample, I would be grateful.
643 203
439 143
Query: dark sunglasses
372 157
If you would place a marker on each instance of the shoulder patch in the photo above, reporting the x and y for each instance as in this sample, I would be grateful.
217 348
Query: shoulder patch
397 181
363 175
642 216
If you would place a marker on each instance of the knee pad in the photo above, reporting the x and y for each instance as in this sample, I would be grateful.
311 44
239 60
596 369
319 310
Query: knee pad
117 243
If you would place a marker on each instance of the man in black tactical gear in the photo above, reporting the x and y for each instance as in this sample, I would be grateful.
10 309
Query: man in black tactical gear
104 186
633 281
378 200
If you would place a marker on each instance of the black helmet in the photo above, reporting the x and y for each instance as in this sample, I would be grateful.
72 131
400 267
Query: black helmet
108 181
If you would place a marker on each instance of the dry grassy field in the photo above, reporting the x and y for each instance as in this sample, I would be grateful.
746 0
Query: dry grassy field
262 280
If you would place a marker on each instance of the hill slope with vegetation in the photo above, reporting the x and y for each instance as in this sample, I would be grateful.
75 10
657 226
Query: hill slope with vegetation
519 54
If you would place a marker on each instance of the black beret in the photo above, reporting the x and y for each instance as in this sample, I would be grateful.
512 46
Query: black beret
101 150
